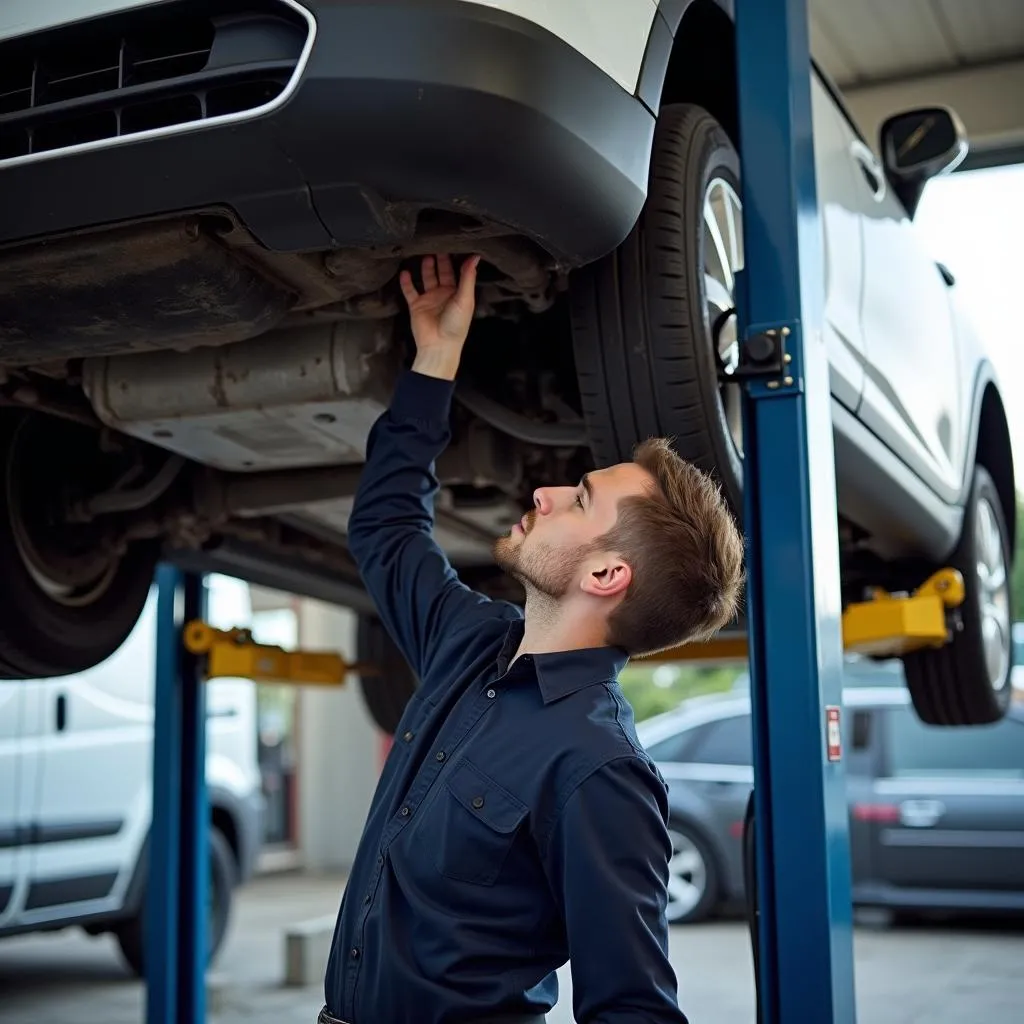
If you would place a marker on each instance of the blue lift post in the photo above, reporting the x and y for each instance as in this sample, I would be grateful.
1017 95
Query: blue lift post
805 955
176 911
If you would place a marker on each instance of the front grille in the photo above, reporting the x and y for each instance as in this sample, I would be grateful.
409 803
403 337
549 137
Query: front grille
164 65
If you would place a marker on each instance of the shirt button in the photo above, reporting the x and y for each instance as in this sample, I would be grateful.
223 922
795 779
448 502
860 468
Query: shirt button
407 736
367 898
491 694
440 755
478 802
404 812
354 953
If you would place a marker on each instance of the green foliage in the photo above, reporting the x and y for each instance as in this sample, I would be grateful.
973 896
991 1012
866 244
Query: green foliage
1017 580
661 686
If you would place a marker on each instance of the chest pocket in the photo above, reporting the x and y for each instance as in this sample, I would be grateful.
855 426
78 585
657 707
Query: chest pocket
473 826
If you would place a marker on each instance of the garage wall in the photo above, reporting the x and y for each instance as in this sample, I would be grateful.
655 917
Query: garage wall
989 100
338 749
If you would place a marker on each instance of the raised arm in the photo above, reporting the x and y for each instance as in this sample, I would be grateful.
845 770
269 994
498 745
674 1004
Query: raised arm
607 861
418 595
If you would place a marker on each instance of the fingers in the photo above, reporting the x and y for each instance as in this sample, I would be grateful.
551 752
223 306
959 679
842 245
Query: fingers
467 281
408 288
438 272
445 273
429 272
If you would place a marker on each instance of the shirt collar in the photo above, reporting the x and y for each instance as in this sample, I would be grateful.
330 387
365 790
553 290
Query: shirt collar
561 673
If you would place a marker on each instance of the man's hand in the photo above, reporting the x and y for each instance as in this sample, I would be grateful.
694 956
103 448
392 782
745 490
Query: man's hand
441 314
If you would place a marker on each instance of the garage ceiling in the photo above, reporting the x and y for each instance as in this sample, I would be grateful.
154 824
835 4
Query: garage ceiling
872 41
888 55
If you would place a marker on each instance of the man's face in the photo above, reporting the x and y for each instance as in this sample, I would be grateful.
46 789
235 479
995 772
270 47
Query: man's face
551 549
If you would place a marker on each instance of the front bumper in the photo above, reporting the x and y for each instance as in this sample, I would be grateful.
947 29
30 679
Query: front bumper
400 106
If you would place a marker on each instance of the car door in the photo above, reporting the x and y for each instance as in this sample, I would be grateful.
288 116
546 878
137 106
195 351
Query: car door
861 753
841 247
93 807
911 398
956 800
715 767
10 811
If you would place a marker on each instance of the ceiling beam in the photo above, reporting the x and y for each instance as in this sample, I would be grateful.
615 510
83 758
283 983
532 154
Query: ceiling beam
989 101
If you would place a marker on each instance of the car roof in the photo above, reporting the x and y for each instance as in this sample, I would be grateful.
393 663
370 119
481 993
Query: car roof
706 708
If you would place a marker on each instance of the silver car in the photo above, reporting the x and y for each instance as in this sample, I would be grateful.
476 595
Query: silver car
936 815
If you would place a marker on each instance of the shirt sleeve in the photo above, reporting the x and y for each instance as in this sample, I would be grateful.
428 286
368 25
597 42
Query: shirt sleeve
608 864
416 591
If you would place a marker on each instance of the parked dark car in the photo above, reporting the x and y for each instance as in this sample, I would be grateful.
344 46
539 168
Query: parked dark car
936 814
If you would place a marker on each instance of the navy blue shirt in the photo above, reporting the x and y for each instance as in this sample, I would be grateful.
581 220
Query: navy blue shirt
517 823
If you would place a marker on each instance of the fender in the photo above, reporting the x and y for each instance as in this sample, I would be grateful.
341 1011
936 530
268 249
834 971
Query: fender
659 46
1003 473
219 800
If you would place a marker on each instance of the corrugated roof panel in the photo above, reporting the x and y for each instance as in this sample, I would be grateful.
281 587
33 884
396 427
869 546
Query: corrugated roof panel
984 30
889 40
828 49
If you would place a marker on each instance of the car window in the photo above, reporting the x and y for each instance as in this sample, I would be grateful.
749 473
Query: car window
727 741
672 748
916 749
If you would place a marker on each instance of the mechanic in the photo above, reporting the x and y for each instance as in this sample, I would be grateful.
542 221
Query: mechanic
517 823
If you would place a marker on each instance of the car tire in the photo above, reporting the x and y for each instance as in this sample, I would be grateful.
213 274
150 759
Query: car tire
63 607
693 876
131 935
643 318
967 682
388 689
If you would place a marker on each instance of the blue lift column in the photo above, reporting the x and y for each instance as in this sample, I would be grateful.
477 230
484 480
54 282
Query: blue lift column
176 911
805 956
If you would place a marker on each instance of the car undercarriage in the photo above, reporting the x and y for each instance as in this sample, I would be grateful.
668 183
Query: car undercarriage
229 390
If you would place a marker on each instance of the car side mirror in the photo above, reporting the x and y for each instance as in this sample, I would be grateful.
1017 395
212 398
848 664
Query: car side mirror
920 144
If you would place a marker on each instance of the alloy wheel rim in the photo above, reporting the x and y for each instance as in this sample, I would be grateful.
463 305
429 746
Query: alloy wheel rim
687 876
993 595
723 258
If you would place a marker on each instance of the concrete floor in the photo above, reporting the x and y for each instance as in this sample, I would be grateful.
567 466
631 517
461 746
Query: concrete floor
967 974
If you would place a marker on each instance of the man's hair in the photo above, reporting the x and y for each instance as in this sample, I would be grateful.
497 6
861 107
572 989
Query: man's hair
686 555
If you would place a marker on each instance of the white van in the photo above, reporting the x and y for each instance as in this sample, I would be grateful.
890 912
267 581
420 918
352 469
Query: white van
75 788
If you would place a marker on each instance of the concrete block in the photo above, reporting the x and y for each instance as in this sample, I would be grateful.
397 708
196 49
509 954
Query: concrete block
307 945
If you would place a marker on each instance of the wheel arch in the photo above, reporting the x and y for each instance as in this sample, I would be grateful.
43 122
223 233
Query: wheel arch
994 451
691 58
222 818
685 819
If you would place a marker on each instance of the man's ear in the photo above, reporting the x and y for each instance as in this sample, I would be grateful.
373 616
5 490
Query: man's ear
608 576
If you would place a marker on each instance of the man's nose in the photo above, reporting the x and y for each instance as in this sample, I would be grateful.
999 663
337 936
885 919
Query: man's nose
545 499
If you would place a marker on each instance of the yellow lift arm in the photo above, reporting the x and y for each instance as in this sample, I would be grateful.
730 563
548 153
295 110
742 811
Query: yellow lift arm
233 653
886 624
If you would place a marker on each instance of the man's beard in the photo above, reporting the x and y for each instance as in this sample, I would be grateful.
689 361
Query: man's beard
542 571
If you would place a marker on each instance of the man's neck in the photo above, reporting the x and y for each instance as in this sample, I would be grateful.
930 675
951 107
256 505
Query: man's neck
549 628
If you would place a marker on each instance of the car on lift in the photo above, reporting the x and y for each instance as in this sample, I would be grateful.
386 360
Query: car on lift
206 209
936 816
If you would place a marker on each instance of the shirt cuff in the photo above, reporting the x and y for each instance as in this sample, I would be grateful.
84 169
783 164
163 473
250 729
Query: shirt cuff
420 397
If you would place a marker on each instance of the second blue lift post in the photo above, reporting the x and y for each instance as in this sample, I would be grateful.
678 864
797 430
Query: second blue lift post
805 969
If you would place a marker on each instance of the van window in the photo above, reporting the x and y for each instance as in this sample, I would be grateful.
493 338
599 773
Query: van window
989 751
